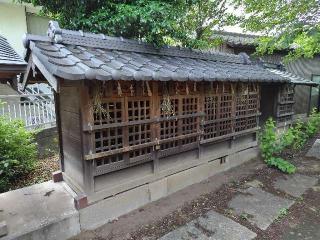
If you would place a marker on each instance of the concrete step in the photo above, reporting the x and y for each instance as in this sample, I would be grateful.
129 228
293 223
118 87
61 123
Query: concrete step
39 212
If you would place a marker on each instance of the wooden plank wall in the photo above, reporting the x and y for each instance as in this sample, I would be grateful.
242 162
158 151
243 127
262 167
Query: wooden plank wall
71 132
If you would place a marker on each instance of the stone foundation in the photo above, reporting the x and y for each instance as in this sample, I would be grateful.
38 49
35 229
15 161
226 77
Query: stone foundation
103 211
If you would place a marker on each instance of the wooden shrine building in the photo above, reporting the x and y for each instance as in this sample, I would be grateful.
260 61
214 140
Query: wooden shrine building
131 115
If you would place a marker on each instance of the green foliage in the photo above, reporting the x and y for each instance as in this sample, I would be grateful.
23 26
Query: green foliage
294 137
271 144
288 25
300 137
268 140
287 138
281 164
175 22
313 124
17 151
282 213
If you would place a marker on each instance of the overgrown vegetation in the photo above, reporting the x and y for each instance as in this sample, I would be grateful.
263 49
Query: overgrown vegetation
293 26
174 22
272 144
17 152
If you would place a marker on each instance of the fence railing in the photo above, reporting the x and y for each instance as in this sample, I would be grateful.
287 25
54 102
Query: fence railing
35 110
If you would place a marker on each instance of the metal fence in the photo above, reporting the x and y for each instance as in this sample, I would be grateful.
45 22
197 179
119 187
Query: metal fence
35 110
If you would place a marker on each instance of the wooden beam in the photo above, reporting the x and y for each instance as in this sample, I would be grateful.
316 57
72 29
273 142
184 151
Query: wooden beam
52 80
27 73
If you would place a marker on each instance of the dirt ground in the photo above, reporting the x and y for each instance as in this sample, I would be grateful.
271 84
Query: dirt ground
160 217
42 172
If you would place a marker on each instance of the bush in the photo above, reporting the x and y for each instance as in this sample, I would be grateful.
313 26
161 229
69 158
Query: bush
295 137
17 151
300 137
281 164
271 144
313 123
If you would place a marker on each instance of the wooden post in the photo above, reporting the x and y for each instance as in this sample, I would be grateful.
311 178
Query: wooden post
125 129
200 120
58 122
155 127
87 138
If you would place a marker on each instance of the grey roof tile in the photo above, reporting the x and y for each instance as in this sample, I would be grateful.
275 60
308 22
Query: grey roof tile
76 55
233 38
10 61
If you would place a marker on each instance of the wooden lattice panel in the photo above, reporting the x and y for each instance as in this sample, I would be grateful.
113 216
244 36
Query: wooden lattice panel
140 122
109 160
109 112
108 139
211 107
286 93
169 129
247 106
218 108
189 105
242 124
285 104
138 110
285 108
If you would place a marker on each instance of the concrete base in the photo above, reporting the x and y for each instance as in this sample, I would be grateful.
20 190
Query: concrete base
42 211
109 209
3 228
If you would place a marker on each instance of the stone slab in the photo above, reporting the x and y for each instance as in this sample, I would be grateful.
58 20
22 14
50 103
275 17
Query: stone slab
314 151
211 226
261 207
295 185
41 211
306 230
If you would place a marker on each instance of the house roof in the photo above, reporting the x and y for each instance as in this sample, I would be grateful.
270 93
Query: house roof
10 61
236 39
295 79
75 55
271 62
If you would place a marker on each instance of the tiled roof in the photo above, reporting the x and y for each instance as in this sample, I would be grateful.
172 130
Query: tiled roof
295 79
76 55
9 59
236 39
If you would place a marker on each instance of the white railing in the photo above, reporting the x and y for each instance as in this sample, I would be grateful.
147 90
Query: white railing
35 110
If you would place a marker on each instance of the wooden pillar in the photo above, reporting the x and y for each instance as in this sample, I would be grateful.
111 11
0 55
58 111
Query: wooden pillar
200 120
58 122
155 126
87 138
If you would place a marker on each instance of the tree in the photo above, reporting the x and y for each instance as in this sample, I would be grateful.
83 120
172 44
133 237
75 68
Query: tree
176 22
293 25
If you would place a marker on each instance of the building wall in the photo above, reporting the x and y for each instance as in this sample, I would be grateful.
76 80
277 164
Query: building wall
305 68
13 25
16 20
